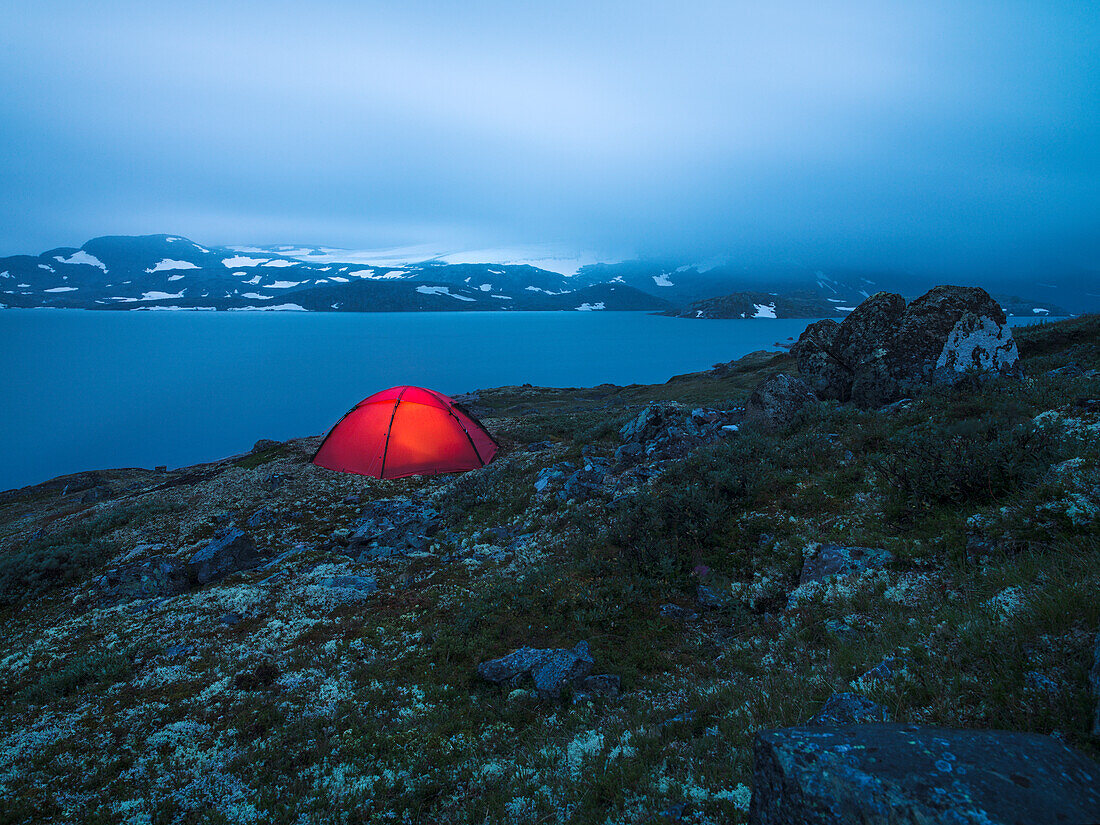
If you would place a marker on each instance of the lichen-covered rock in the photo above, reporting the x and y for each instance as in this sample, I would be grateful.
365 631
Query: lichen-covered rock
867 329
832 559
848 709
394 525
827 376
976 344
882 774
228 552
777 400
154 577
927 323
884 349
548 669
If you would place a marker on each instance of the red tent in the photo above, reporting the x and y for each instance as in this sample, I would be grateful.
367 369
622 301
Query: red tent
406 431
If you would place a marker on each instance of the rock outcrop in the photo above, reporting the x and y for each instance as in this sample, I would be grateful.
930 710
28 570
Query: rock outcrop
391 526
776 401
892 773
885 350
666 429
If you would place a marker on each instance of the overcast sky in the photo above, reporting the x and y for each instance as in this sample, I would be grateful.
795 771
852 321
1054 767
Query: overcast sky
925 135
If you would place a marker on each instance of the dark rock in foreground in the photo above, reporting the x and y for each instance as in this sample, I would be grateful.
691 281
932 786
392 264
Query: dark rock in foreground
892 773
228 552
549 670
776 402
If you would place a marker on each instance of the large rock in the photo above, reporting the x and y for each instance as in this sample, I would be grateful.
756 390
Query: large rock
927 323
885 350
892 774
977 344
777 400
666 430
817 365
228 552
549 669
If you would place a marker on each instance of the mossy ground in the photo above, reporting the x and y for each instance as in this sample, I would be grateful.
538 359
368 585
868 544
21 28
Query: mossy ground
316 708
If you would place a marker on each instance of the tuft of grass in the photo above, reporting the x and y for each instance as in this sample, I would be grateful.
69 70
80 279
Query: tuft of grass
81 672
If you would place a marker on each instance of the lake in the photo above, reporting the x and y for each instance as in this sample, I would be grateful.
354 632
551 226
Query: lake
93 390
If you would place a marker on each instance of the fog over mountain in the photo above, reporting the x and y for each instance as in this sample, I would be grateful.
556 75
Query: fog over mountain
953 141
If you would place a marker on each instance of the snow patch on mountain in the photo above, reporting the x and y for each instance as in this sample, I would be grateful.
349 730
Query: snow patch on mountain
764 311
168 263
277 308
440 290
242 260
81 257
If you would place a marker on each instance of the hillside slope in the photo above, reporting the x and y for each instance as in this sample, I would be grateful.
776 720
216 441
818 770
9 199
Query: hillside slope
333 670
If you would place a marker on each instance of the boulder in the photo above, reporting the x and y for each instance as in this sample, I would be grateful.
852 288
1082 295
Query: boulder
893 773
649 423
228 552
549 670
848 709
928 322
884 349
777 400
977 344
860 345
831 559
823 371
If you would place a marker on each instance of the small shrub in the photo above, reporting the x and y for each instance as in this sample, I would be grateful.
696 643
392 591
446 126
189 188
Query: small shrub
46 561
964 462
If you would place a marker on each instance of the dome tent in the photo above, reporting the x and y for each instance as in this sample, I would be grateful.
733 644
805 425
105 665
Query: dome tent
406 431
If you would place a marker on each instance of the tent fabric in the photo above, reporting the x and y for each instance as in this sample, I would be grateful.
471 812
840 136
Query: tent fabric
406 431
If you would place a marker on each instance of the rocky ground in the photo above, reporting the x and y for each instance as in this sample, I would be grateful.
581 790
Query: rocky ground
593 628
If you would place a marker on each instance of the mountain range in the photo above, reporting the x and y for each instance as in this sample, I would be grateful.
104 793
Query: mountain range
171 272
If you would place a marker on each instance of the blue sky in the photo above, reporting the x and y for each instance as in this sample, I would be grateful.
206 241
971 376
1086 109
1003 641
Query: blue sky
932 135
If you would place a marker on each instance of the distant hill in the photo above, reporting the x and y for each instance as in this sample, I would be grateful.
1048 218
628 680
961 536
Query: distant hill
171 272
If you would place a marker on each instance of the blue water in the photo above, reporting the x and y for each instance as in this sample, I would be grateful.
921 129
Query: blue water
92 390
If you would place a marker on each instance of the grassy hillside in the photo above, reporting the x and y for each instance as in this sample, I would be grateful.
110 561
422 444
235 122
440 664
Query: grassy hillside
270 697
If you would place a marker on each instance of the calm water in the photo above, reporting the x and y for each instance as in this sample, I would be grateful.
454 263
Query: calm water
92 390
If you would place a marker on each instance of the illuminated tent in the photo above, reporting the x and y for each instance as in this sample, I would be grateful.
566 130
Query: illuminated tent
406 431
